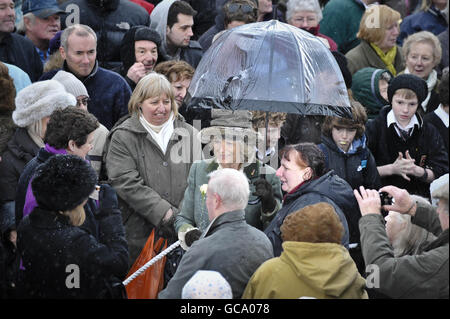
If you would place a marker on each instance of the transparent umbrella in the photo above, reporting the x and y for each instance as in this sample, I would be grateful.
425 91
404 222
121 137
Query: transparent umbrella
269 66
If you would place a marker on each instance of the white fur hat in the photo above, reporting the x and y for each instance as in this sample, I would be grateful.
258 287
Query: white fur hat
39 100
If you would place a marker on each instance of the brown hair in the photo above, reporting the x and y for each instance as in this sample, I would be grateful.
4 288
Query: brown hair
306 155
259 119
239 15
358 122
316 223
175 71
406 93
8 91
375 21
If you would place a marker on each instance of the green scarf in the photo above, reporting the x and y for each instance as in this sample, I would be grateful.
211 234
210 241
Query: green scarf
387 58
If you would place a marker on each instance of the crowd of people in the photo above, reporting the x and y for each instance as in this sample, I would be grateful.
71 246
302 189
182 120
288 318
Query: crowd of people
99 148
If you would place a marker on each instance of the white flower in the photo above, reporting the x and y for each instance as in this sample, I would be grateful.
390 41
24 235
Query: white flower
204 189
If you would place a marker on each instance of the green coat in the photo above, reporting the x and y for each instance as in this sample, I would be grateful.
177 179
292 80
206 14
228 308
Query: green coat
418 276
364 56
193 210
340 21
148 183
317 270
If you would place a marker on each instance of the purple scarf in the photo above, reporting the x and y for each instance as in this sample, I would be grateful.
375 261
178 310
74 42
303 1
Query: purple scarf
30 201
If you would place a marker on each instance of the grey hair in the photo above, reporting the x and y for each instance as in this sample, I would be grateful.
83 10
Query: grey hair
294 6
424 37
414 238
21 25
232 187
81 30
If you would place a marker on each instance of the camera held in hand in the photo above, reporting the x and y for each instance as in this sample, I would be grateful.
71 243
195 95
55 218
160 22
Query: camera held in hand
386 199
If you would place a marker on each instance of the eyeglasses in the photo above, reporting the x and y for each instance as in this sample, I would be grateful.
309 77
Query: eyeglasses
83 101
245 8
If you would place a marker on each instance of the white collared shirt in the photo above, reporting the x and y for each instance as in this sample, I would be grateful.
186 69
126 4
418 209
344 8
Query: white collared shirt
442 115
392 119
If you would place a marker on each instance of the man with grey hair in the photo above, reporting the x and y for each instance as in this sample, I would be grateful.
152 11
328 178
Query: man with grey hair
228 245
109 93
423 275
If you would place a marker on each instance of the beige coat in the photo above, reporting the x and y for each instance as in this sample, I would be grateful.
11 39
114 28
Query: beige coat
147 181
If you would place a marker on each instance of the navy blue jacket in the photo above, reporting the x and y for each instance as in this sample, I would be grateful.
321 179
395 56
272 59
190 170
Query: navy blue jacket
431 20
108 91
328 188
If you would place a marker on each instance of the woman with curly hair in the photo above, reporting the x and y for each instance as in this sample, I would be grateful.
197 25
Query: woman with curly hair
313 263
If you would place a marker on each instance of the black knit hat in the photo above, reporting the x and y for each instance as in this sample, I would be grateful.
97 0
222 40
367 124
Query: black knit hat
145 33
408 81
63 182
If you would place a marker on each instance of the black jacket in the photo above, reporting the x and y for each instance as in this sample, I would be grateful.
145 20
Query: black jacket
110 20
439 125
58 256
20 51
358 168
20 150
425 145
90 224
328 188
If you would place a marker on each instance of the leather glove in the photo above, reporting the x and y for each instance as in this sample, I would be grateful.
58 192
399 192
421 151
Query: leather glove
166 228
264 190
192 236
107 198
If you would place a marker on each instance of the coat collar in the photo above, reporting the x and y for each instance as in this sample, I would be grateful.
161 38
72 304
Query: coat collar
225 218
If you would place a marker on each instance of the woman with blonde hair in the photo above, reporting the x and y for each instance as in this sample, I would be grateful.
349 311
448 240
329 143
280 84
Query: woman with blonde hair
142 161
378 32
423 52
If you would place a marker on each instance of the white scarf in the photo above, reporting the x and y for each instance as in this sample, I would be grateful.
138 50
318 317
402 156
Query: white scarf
431 83
162 133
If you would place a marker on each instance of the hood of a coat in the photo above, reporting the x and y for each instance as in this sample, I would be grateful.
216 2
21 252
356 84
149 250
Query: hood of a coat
366 90
158 19
326 266
331 186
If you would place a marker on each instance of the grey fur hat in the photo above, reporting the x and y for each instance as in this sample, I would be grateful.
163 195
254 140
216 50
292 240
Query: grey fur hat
39 100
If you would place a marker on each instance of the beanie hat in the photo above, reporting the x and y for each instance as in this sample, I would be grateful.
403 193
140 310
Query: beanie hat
145 33
136 33
39 100
71 83
408 81
63 182
207 284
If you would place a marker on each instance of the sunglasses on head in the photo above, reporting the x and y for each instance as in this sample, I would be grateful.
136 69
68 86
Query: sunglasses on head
244 8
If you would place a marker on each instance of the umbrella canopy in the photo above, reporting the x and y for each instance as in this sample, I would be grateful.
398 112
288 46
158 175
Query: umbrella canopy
269 66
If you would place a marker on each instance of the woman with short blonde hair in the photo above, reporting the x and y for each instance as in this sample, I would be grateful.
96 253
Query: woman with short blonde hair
148 160
378 31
